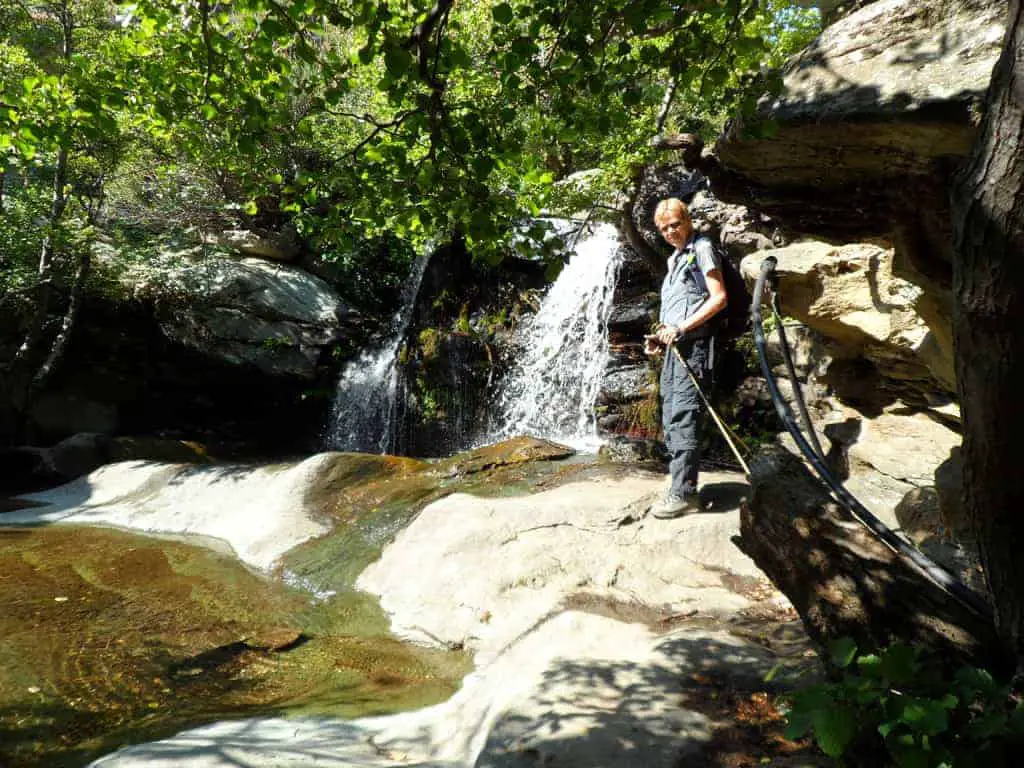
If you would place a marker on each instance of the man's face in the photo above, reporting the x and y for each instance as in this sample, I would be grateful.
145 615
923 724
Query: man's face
675 227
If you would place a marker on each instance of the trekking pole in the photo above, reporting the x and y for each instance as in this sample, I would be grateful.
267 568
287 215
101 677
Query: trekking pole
714 414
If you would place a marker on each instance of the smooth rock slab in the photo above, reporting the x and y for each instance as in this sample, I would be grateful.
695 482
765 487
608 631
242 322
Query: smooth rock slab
480 572
580 691
259 512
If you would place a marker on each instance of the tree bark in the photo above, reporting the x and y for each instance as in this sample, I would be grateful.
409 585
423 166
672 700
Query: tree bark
988 284
845 582
67 324
654 261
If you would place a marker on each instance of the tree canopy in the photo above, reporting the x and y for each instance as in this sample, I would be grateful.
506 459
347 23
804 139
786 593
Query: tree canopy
357 117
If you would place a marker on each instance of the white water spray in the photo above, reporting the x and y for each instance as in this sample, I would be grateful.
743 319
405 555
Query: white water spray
365 400
552 390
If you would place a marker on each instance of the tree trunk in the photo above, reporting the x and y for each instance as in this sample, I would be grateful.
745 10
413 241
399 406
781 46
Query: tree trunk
988 283
67 324
843 581
655 263
21 378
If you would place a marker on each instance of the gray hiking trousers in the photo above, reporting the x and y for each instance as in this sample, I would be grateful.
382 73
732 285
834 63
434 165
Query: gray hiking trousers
682 413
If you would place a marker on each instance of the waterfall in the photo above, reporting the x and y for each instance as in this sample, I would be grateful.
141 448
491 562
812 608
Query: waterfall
552 389
365 400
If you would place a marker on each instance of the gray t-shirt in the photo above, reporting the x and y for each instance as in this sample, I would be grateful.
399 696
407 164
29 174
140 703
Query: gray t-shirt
680 292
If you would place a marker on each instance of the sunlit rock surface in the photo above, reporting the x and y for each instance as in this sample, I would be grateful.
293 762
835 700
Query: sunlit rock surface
850 295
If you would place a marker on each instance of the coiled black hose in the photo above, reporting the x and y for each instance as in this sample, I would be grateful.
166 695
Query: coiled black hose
928 568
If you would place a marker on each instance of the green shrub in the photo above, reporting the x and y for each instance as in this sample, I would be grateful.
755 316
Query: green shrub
896 708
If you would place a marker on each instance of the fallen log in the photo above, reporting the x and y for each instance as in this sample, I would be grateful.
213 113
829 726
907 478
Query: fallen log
843 581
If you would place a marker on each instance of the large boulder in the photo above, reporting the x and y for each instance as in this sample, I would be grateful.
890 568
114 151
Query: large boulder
249 312
263 244
851 296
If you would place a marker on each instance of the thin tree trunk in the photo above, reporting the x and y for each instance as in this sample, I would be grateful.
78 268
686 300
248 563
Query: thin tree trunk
655 263
20 376
70 316
988 283
44 272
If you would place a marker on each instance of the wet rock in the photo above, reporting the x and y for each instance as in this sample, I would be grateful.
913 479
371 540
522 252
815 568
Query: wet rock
627 450
626 384
517 450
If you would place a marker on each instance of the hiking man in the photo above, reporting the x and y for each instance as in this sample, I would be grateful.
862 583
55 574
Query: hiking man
688 303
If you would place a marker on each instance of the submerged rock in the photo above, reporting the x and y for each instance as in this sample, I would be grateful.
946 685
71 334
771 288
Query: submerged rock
112 637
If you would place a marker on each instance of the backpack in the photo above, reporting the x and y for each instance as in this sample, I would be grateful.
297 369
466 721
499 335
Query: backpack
734 319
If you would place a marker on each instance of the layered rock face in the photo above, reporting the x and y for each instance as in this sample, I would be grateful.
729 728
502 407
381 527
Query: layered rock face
873 119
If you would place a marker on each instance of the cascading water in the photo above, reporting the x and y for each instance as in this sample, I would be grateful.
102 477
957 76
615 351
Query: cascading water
363 414
552 390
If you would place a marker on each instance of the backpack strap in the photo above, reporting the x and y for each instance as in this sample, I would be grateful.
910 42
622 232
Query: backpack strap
698 275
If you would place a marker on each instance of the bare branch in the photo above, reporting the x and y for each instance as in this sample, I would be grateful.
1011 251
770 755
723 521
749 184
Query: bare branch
378 129
666 105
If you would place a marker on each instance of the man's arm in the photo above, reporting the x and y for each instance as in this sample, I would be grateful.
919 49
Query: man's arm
713 304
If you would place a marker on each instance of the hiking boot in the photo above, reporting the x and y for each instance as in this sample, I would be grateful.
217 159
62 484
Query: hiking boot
676 506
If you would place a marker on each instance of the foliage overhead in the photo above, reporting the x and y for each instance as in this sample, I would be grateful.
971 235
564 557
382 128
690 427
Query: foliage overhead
357 117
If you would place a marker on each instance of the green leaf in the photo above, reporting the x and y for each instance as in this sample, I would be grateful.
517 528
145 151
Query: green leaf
870 666
842 651
925 716
502 13
524 47
799 725
397 61
650 54
973 680
899 663
273 28
482 166
834 729
250 208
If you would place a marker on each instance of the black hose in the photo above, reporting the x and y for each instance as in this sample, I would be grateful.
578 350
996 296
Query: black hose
931 570
787 355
